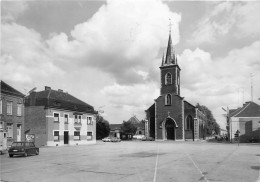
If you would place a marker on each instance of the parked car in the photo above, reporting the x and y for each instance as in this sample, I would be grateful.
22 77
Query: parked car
23 148
107 139
115 140
145 138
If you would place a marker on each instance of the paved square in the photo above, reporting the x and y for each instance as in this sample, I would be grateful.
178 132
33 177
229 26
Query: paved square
137 161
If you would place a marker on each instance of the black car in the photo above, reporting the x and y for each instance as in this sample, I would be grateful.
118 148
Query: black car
23 148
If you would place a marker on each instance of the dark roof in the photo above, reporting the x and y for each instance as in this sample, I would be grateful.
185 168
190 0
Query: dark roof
134 120
7 89
58 99
115 126
249 109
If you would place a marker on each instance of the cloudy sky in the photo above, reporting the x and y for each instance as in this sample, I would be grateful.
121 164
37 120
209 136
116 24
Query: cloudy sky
108 53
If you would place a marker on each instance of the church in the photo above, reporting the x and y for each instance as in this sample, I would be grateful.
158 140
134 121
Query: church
171 117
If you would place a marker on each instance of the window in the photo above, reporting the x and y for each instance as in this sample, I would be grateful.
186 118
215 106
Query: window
0 106
89 135
168 79
56 117
76 135
188 123
66 118
56 136
9 107
77 119
168 99
19 109
89 121
9 130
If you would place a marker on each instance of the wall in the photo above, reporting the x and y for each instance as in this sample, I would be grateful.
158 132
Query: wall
35 121
83 128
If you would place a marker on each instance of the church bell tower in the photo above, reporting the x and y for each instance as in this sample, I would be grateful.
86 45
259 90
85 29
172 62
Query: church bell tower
170 72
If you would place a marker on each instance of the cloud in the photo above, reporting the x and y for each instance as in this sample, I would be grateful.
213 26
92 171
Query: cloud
218 82
12 9
228 19
121 39
24 56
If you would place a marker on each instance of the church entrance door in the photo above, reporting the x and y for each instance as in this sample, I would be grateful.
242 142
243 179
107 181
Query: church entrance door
170 129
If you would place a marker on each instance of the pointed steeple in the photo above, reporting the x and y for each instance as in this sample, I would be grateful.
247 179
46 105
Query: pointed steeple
163 59
170 55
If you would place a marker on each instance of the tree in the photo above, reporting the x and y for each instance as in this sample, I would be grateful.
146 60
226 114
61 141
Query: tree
211 125
128 127
102 127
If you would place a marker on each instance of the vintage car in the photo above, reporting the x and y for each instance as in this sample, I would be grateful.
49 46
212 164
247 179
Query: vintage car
23 148
107 139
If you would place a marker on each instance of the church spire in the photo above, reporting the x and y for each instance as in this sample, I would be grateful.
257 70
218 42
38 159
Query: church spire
170 55
163 59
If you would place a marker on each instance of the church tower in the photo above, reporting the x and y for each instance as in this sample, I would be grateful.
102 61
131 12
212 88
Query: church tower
170 73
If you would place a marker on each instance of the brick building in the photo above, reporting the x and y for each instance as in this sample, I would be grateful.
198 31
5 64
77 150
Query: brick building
171 117
56 118
246 120
11 113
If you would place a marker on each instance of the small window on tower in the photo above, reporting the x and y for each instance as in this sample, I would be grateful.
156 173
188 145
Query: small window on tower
168 79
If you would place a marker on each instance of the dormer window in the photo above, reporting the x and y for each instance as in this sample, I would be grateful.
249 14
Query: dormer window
168 79
168 100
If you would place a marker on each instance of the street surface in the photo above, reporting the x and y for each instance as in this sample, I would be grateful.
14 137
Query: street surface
137 161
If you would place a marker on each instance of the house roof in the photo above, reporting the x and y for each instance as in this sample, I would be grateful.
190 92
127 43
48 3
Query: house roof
249 109
58 99
7 89
134 120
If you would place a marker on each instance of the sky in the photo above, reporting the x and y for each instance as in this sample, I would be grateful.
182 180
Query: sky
108 53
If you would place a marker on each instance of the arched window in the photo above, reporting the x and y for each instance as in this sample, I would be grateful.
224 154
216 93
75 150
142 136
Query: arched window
168 99
168 79
188 123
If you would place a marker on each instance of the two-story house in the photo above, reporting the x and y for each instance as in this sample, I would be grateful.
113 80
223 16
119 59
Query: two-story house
56 118
11 113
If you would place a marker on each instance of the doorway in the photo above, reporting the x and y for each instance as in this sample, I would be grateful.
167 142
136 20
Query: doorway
170 129
66 137
19 128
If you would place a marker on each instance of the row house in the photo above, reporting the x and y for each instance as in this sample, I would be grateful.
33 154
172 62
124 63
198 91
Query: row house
56 118
11 114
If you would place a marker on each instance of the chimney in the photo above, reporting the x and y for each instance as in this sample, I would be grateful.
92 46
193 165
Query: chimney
47 88
60 90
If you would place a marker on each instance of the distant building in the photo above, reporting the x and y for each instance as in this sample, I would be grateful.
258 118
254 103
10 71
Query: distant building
11 113
171 117
56 118
246 120
115 129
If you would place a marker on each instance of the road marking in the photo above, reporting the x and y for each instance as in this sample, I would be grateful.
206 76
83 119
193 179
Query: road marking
155 170
204 177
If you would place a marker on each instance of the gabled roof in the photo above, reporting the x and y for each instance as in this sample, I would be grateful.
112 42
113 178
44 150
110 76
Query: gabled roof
57 99
134 120
7 89
249 109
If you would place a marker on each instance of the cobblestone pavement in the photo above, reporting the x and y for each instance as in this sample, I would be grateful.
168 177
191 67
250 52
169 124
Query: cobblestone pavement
142 161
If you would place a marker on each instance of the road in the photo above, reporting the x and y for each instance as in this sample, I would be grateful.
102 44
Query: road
142 161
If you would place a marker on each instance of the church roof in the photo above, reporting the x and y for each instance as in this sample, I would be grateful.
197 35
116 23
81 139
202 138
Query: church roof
7 89
249 109
134 120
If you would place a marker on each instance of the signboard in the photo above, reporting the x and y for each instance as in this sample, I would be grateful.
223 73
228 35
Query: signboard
30 137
